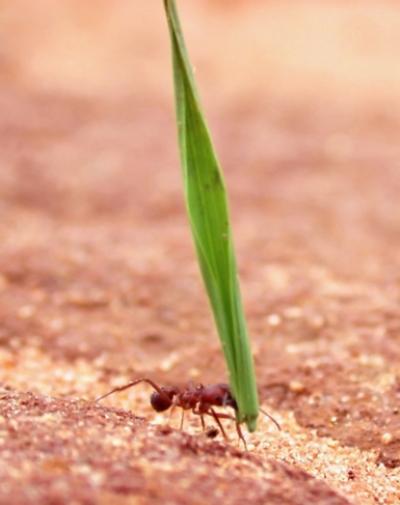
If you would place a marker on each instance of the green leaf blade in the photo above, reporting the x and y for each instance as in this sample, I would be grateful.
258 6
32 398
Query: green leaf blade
207 207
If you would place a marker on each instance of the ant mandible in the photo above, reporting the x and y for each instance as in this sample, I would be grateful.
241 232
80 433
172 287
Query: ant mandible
198 398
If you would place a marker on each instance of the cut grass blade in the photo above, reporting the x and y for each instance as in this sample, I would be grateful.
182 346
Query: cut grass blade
207 207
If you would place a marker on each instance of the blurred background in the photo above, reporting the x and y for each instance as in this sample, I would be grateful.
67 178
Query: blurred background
329 53
98 277
303 99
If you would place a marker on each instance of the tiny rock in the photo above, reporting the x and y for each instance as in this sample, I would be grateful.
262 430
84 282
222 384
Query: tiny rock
386 438
293 312
26 311
296 386
274 320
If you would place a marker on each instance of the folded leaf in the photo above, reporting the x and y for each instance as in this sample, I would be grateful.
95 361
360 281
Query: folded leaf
207 207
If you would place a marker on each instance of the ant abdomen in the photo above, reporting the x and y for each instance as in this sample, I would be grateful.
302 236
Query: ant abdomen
219 395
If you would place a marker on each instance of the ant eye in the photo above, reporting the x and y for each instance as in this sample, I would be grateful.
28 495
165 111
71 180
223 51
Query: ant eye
160 402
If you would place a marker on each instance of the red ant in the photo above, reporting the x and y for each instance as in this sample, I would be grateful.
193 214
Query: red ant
197 398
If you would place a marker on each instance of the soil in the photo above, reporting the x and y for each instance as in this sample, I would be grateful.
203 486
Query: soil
99 285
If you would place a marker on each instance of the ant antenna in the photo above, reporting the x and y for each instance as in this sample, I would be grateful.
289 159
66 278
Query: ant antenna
272 419
129 385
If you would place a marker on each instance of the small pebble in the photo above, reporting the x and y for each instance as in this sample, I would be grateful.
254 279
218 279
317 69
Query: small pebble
26 311
386 438
274 320
296 386
293 312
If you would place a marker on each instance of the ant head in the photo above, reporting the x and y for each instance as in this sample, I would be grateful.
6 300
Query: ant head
162 401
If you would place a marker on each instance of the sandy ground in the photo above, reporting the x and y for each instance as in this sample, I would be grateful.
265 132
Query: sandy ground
98 280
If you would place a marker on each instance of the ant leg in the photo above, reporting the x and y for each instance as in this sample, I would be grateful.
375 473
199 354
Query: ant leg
217 417
129 385
222 416
173 407
272 419
201 414
238 428
182 420
240 435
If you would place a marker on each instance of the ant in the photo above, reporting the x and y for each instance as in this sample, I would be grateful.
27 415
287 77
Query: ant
198 398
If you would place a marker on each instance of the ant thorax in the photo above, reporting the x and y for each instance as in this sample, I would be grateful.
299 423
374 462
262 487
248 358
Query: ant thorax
190 397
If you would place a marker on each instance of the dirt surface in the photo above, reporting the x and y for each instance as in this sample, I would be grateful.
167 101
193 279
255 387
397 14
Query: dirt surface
99 284
96 454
